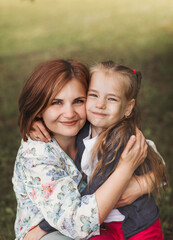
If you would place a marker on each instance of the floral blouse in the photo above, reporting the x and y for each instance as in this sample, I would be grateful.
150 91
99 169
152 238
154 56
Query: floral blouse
46 183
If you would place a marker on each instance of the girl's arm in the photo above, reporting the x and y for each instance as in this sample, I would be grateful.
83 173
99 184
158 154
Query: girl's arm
39 132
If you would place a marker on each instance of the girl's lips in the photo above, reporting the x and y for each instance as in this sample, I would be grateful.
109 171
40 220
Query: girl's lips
99 114
72 123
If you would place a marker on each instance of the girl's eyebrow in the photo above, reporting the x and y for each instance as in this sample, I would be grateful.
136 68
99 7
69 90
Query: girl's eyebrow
92 90
114 95
109 94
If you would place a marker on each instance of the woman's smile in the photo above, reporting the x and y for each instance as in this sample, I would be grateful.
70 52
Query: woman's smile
67 115
69 123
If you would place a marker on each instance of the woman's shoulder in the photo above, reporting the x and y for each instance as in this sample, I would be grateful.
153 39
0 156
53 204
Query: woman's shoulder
38 149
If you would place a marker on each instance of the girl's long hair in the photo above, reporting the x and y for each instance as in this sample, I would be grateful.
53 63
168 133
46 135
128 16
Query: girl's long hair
116 136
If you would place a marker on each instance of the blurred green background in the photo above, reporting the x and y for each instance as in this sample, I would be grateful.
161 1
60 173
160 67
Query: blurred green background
135 33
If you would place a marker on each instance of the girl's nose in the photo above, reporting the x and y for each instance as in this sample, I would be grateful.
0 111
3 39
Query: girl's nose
101 104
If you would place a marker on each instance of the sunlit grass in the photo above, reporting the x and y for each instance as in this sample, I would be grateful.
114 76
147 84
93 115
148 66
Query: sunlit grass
135 33
51 25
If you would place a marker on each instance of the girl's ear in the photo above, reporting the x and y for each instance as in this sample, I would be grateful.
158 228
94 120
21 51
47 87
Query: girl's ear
129 107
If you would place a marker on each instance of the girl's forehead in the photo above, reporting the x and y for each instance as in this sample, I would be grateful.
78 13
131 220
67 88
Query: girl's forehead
109 82
108 77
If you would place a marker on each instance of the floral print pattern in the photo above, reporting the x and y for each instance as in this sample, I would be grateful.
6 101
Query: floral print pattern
46 183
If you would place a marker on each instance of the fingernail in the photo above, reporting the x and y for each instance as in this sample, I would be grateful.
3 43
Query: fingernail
133 137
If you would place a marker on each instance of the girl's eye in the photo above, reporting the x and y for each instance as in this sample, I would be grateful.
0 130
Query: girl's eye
92 95
112 99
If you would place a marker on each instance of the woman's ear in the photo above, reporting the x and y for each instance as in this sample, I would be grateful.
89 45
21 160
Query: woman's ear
129 107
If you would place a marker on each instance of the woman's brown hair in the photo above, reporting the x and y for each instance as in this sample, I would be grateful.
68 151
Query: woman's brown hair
119 133
45 82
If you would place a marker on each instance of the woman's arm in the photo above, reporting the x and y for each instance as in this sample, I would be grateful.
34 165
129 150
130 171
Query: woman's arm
80 211
35 234
138 186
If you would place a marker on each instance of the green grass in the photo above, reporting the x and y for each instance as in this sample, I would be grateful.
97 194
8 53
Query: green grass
136 33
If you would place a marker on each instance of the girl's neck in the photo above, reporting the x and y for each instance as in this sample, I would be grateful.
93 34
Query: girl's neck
95 131
68 144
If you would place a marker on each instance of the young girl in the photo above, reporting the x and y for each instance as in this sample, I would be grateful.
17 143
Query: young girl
113 114
45 179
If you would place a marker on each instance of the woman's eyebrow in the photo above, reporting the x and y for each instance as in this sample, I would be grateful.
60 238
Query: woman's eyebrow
59 99
81 97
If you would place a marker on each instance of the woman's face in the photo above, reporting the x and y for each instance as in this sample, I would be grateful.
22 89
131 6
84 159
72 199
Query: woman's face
67 114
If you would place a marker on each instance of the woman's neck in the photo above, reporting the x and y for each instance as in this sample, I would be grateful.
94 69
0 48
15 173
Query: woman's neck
68 144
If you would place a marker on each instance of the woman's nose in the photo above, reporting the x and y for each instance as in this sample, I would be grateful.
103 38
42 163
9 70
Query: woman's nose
69 111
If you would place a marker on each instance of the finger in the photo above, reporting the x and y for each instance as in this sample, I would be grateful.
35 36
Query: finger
44 132
138 136
38 136
143 144
130 144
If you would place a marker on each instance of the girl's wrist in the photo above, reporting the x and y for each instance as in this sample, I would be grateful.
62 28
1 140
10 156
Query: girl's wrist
126 167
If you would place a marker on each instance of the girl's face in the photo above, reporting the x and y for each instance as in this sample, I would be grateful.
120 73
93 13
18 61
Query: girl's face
67 113
106 101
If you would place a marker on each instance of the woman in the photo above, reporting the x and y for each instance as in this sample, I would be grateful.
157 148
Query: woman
45 179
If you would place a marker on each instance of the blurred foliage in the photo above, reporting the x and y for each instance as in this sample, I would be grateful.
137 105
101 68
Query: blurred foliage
134 33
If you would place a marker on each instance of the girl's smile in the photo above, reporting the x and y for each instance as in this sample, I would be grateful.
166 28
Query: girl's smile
106 101
99 114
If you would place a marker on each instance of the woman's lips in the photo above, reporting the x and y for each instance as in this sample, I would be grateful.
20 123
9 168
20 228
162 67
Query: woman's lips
71 123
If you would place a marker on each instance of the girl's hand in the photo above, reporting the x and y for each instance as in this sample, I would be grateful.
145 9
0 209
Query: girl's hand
35 234
39 132
135 151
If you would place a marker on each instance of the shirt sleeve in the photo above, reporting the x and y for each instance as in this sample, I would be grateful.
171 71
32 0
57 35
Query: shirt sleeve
44 225
51 185
152 144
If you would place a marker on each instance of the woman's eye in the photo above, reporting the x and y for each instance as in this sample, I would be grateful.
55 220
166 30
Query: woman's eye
78 101
58 102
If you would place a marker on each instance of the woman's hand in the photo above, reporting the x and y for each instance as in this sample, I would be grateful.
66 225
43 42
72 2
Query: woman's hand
135 151
39 132
132 192
138 186
35 234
